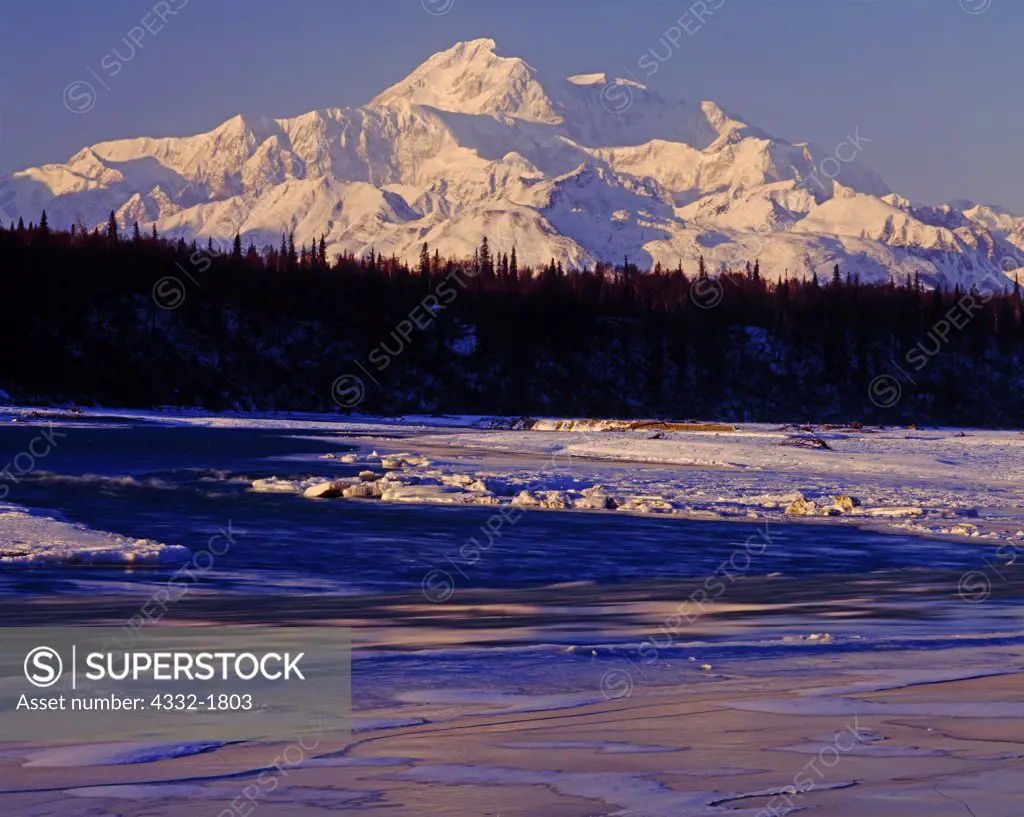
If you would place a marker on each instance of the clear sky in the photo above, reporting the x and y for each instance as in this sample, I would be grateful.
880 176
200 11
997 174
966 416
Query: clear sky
937 89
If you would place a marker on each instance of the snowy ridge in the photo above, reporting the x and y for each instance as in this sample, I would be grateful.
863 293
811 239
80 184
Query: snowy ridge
580 169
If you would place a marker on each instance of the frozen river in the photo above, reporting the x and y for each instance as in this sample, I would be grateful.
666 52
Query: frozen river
465 617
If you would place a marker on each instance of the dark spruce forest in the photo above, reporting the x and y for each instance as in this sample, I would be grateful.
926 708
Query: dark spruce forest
137 320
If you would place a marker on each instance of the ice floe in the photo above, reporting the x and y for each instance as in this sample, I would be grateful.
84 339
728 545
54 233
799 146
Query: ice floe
27 538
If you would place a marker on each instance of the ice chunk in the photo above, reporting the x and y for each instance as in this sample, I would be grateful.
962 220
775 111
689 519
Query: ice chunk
391 461
436 494
328 489
526 499
646 504
364 490
557 500
801 507
273 485
594 499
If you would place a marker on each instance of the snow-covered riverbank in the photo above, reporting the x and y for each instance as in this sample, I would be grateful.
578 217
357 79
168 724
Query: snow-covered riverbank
947 482
936 482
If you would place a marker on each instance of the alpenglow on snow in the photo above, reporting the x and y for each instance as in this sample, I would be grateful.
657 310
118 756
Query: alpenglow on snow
580 169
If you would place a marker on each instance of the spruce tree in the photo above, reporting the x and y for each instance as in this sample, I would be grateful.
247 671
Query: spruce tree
486 260
425 260
293 258
513 264
136 236
112 227
236 249
44 225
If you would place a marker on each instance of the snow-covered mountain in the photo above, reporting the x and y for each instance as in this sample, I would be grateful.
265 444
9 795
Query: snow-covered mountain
580 169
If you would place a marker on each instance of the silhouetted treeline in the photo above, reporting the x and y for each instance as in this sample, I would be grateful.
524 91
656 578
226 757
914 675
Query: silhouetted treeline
137 320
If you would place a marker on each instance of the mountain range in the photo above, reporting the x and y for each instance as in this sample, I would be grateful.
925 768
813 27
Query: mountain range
580 170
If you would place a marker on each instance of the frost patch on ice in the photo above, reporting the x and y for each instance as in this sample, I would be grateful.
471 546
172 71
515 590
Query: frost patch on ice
505 703
712 772
602 747
843 707
630 794
147 792
29 539
866 750
343 762
828 701
113 754
903 679
375 724
998 756
822 786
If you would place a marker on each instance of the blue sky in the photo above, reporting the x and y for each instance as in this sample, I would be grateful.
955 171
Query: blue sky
936 89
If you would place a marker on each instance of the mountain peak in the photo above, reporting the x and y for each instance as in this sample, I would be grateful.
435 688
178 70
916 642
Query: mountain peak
479 44
470 78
